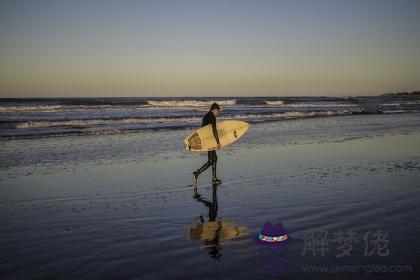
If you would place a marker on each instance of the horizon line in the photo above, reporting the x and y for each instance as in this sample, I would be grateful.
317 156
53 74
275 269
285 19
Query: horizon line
215 96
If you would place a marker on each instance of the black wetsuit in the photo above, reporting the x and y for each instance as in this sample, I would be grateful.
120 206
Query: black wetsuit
210 118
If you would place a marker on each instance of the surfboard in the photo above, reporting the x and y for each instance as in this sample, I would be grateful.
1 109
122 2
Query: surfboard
202 140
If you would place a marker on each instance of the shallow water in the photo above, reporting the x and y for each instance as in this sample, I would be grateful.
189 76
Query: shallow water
87 212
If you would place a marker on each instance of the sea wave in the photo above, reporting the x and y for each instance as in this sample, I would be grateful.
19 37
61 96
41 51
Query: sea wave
274 102
298 105
92 122
47 108
30 134
190 103
396 111
80 123
104 101
390 104
290 115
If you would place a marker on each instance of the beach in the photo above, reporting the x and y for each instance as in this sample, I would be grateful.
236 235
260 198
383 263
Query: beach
122 206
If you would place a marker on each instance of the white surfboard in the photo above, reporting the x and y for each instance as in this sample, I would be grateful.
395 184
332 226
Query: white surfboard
202 140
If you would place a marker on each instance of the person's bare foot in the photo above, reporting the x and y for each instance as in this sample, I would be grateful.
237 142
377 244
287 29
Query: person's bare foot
216 181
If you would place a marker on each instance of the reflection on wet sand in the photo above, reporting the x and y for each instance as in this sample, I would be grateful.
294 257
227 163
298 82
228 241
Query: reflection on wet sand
273 258
215 233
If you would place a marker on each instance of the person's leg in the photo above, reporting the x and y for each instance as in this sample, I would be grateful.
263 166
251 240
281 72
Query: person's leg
214 168
206 165
214 165
212 160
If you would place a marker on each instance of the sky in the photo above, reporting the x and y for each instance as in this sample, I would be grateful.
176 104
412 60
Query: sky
208 48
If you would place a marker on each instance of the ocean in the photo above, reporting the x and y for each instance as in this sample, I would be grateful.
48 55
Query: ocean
46 117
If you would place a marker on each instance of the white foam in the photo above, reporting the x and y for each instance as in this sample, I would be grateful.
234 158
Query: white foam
29 108
274 102
98 122
288 115
390 104
190 103
298 105
93 122
397 111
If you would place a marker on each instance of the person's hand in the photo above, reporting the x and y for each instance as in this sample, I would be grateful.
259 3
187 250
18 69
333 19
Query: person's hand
219 146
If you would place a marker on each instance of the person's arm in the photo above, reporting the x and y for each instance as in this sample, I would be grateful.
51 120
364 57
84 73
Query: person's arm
213 125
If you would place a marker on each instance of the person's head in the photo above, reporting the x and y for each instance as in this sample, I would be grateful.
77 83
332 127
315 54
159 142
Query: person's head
215 108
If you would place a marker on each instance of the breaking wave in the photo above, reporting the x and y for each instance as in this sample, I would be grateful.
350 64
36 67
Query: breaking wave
190 103
92 122
45 108
275 102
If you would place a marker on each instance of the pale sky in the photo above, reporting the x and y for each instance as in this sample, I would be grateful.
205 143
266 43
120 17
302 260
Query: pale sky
208 48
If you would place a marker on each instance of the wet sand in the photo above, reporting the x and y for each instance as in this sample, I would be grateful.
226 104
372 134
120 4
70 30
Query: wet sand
115 216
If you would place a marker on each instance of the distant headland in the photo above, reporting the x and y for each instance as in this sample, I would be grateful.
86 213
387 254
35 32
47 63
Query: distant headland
403 94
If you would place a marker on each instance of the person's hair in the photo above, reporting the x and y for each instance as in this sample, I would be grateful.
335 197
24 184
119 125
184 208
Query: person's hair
215 106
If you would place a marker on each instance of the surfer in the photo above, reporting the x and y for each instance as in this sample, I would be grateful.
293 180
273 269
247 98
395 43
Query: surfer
210 118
